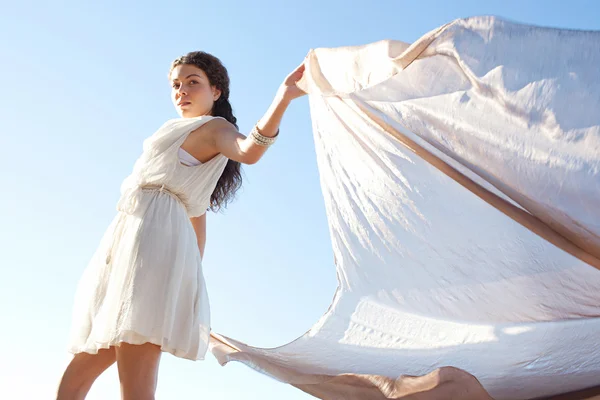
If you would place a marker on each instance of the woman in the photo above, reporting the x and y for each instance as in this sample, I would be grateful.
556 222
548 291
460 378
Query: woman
143 292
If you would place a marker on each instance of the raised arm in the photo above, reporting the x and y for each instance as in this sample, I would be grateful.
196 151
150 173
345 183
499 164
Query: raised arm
238 147
224 138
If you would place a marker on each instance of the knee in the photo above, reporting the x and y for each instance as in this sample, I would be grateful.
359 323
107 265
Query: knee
137 395
73 386
75 382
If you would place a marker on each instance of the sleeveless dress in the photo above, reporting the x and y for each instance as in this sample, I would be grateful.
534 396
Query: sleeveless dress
144 282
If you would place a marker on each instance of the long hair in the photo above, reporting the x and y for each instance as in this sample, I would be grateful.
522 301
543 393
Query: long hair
231 178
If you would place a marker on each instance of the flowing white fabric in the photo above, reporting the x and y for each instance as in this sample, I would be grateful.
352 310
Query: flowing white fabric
461 178
145 282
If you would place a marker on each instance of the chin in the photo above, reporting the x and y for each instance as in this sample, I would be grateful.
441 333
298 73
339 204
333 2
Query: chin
187 114
190 114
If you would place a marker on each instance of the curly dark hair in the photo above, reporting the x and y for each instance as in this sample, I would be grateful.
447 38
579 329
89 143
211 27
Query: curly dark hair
231 179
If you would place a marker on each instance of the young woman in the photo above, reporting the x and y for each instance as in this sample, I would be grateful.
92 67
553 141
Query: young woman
143 292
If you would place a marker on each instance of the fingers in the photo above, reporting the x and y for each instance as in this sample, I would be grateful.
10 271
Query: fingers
297 73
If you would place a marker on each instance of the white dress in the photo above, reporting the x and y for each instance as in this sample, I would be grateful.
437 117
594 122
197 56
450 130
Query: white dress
144 283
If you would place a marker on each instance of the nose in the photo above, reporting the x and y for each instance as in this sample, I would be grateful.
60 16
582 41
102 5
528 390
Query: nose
181 90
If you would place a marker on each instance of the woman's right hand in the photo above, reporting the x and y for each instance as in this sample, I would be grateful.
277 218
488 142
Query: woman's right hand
289 90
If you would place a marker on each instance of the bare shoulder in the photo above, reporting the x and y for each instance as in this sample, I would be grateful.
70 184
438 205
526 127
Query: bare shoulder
217 136
206 134
216 126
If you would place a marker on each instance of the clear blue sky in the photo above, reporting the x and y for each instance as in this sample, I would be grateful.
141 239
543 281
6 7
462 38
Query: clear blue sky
83 83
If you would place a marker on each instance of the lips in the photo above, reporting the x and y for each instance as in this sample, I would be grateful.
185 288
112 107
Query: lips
183 103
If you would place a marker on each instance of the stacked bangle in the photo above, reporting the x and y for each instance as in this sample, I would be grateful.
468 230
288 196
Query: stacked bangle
261 139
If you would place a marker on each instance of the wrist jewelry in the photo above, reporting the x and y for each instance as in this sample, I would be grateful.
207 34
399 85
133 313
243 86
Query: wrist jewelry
261 139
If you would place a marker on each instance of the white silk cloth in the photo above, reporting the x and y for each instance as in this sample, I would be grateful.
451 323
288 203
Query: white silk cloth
461 178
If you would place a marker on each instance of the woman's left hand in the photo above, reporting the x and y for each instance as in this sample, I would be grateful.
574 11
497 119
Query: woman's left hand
288 89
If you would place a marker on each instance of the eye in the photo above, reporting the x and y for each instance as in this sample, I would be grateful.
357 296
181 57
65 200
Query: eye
193 81
175 85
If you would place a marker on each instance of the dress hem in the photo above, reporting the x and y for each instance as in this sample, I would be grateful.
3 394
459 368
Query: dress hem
139 340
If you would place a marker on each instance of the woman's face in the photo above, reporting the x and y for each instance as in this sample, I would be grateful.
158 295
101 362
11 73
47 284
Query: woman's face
191 91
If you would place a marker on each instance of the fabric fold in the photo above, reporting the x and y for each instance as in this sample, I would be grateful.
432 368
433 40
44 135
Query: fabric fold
461 181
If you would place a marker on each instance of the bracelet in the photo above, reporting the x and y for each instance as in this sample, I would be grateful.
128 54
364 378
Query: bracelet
260 139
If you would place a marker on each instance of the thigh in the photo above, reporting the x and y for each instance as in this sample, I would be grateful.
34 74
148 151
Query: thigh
138 370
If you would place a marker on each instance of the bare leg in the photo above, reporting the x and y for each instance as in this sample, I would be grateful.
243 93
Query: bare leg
81 373
138 370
